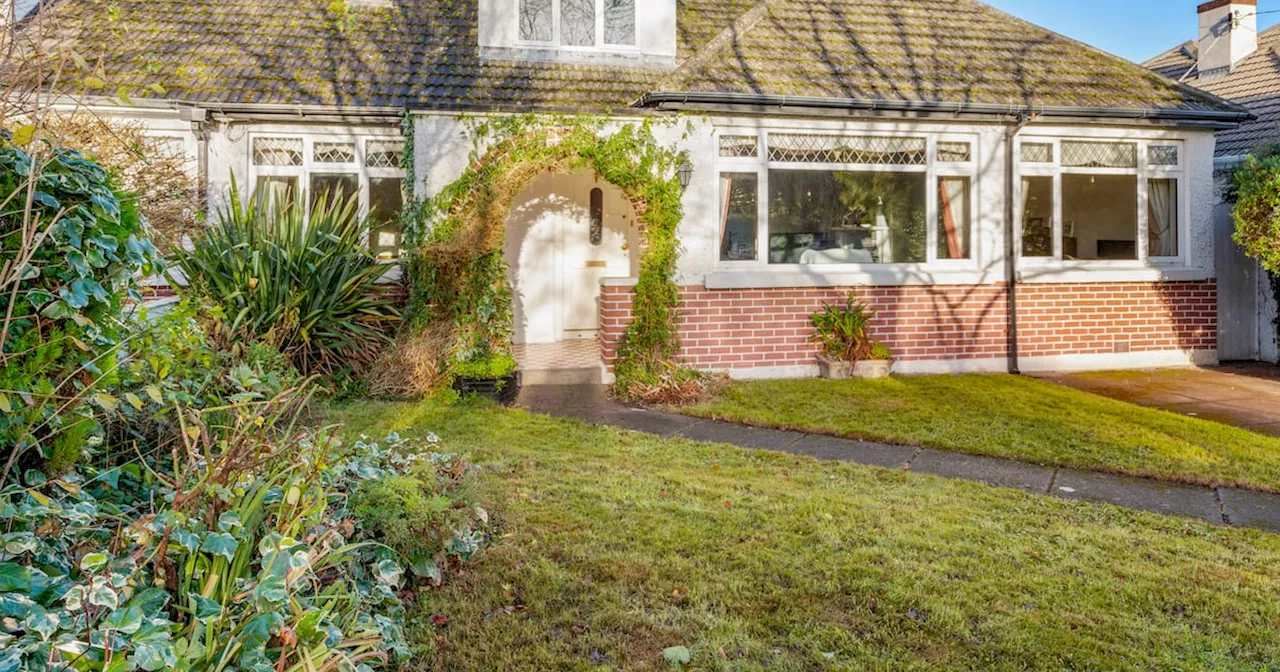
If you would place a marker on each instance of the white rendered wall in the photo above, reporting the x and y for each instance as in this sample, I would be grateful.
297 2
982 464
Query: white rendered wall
443 147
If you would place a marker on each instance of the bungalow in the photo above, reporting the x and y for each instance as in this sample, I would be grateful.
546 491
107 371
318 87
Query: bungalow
1231 59
1004 197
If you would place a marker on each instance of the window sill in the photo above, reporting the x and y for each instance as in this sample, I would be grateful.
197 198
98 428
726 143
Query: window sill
897 276
828 275
1107 272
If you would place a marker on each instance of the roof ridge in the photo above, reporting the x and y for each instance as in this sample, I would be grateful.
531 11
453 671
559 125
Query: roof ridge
740 26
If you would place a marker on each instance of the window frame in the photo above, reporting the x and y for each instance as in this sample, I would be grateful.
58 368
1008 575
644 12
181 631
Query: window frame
1142 172
557 37
363 172
933 169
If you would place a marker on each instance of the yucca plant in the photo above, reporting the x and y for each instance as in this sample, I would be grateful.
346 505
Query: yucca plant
298 278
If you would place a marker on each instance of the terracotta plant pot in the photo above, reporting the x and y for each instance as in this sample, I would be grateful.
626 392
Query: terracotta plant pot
501 390
838 369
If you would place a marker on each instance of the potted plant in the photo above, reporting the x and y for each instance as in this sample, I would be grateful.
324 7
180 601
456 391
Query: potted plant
492 376
846 351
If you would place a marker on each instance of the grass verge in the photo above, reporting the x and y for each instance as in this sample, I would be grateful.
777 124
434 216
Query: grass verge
616 546
1013 417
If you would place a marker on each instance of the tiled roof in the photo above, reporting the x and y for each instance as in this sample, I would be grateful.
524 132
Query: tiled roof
423 53
1253 83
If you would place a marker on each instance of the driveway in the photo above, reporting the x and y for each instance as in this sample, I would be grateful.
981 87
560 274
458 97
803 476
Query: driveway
1245 395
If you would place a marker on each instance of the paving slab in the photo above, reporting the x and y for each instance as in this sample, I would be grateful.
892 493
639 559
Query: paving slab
1246 508
551 398
649 422
1171 499
849 450
989 470
1245 396
740 435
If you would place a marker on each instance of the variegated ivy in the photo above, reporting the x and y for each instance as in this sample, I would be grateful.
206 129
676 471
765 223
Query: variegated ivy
276 579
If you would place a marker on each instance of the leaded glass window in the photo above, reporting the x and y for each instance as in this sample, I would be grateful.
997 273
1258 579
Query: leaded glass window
797 148
1099 154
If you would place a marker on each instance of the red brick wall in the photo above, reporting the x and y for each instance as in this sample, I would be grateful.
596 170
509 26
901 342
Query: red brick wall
755 328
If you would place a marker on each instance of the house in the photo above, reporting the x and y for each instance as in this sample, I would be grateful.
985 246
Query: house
1231 59
1004 197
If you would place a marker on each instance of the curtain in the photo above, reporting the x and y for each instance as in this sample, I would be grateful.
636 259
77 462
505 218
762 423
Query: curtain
1162 218
953 200
726 196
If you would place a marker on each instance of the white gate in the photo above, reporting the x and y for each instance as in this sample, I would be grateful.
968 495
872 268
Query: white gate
1237 292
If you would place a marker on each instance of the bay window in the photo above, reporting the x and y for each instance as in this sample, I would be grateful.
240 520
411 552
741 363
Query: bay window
1100 200
822 199
305 167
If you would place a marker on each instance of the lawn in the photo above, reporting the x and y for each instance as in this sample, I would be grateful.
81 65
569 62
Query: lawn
1014 417
615 546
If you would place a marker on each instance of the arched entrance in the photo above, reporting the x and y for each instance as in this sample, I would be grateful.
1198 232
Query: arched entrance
566 232
556 182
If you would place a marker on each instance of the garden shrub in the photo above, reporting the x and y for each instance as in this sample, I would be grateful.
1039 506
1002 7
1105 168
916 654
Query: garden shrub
170 360
70 260
1256 190
426 515
238 551
297 278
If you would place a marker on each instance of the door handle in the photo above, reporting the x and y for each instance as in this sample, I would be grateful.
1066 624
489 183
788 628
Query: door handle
597 264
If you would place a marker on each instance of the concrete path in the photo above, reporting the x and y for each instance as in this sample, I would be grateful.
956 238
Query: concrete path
1244 395
1221 506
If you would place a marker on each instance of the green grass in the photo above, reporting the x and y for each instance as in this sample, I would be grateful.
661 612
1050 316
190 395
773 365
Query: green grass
614 546
1014 417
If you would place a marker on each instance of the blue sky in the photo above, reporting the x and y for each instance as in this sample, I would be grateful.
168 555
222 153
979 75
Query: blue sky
1134 29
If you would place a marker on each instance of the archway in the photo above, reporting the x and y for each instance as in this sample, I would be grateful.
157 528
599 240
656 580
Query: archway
458 269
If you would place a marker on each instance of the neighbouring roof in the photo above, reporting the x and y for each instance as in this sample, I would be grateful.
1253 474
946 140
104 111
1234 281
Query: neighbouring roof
423 54
1253 83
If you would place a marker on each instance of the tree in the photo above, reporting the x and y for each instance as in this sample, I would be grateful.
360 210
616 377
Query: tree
1256 187
70 254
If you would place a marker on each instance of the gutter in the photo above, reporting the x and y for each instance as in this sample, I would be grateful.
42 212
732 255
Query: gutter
257 111
764 103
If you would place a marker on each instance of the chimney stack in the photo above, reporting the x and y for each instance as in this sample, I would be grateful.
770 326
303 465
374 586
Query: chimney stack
1228 34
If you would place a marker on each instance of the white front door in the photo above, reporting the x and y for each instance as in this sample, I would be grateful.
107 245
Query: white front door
557 256
591 250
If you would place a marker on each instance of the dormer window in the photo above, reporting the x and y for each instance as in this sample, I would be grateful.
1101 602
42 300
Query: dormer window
578 23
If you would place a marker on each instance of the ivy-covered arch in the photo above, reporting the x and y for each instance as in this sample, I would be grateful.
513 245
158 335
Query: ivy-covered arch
457 271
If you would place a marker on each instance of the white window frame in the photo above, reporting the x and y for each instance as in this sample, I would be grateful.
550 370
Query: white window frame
557 38
1142 172
310 166
933 169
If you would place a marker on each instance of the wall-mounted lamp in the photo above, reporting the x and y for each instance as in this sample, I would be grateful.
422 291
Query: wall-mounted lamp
685 171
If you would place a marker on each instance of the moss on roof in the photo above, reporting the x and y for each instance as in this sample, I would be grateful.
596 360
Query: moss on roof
423 54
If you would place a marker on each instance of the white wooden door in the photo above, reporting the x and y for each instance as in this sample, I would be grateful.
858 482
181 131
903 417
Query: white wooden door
533 251
592 248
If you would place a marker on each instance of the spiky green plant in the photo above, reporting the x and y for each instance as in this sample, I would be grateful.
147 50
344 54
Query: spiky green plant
299 278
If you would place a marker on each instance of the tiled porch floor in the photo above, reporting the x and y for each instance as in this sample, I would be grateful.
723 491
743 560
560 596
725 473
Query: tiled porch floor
576 354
